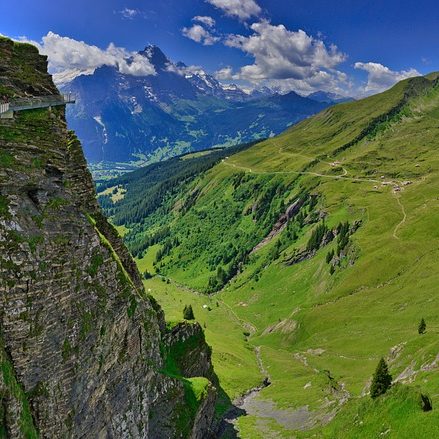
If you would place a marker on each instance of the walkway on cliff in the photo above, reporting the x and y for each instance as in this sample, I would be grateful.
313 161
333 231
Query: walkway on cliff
8 108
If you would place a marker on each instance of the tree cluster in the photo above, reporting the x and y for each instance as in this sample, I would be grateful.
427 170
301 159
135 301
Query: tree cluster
317 236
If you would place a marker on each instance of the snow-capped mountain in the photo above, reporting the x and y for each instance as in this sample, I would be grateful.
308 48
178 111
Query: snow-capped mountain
126 118
208 85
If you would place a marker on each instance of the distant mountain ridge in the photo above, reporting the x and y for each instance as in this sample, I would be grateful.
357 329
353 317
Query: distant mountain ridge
123 118
328 97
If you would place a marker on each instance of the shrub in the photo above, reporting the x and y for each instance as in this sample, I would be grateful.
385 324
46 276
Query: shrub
422 326
329 256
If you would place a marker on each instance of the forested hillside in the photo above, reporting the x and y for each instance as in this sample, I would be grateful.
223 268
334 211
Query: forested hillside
319 248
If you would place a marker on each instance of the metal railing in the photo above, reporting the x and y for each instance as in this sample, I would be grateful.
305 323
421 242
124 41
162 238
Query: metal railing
4 108
37 102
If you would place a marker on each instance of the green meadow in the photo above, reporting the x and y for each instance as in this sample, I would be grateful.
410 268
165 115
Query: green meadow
313 313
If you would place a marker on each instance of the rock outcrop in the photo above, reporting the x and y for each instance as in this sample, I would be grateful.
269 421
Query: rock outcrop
84 352
281 224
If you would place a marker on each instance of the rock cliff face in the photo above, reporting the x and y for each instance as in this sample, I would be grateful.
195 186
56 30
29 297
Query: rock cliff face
84 352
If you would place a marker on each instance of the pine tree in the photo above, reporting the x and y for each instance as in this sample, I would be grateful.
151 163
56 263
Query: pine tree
422 326
188 313
382 380
426 404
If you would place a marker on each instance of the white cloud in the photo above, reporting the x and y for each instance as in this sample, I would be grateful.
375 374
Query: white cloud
287 60
225 74
184 70
199 34
70 58
332 81
380 78
207 21
283 54
293 60
129 14
137 65
242 9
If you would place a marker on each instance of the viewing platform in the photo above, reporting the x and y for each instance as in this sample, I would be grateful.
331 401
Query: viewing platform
7 109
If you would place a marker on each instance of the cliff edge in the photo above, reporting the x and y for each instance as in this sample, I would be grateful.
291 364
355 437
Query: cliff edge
84 352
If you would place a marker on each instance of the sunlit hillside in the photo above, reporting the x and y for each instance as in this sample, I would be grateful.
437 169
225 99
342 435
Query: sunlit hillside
319 249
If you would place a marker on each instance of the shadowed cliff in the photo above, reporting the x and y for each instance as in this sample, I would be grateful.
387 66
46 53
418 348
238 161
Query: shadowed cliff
84 352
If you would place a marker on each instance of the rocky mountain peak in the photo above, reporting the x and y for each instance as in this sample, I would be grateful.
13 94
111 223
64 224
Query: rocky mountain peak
156 57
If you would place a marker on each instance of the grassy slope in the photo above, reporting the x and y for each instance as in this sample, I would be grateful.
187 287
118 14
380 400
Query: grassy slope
331 330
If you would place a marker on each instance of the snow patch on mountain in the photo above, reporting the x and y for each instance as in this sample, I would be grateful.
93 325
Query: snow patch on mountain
98 119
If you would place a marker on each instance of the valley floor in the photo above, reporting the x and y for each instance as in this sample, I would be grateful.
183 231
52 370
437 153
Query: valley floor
303 395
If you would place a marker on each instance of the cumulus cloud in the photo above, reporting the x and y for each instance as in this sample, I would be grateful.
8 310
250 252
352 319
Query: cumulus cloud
242 9
136 65
208 21
199 34
380 77
283 54
333 81
70 58
293 60
287 60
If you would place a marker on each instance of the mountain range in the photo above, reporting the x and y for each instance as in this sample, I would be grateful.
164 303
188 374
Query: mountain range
122 118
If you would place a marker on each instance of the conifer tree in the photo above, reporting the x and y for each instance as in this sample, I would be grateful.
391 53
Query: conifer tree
422 326
426 404
382 380
188 313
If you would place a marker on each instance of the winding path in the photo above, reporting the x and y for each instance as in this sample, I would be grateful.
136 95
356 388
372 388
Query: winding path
333 177
246 325
404 217
316 174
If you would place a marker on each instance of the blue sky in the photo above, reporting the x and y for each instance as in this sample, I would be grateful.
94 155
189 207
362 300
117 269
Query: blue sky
351 47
